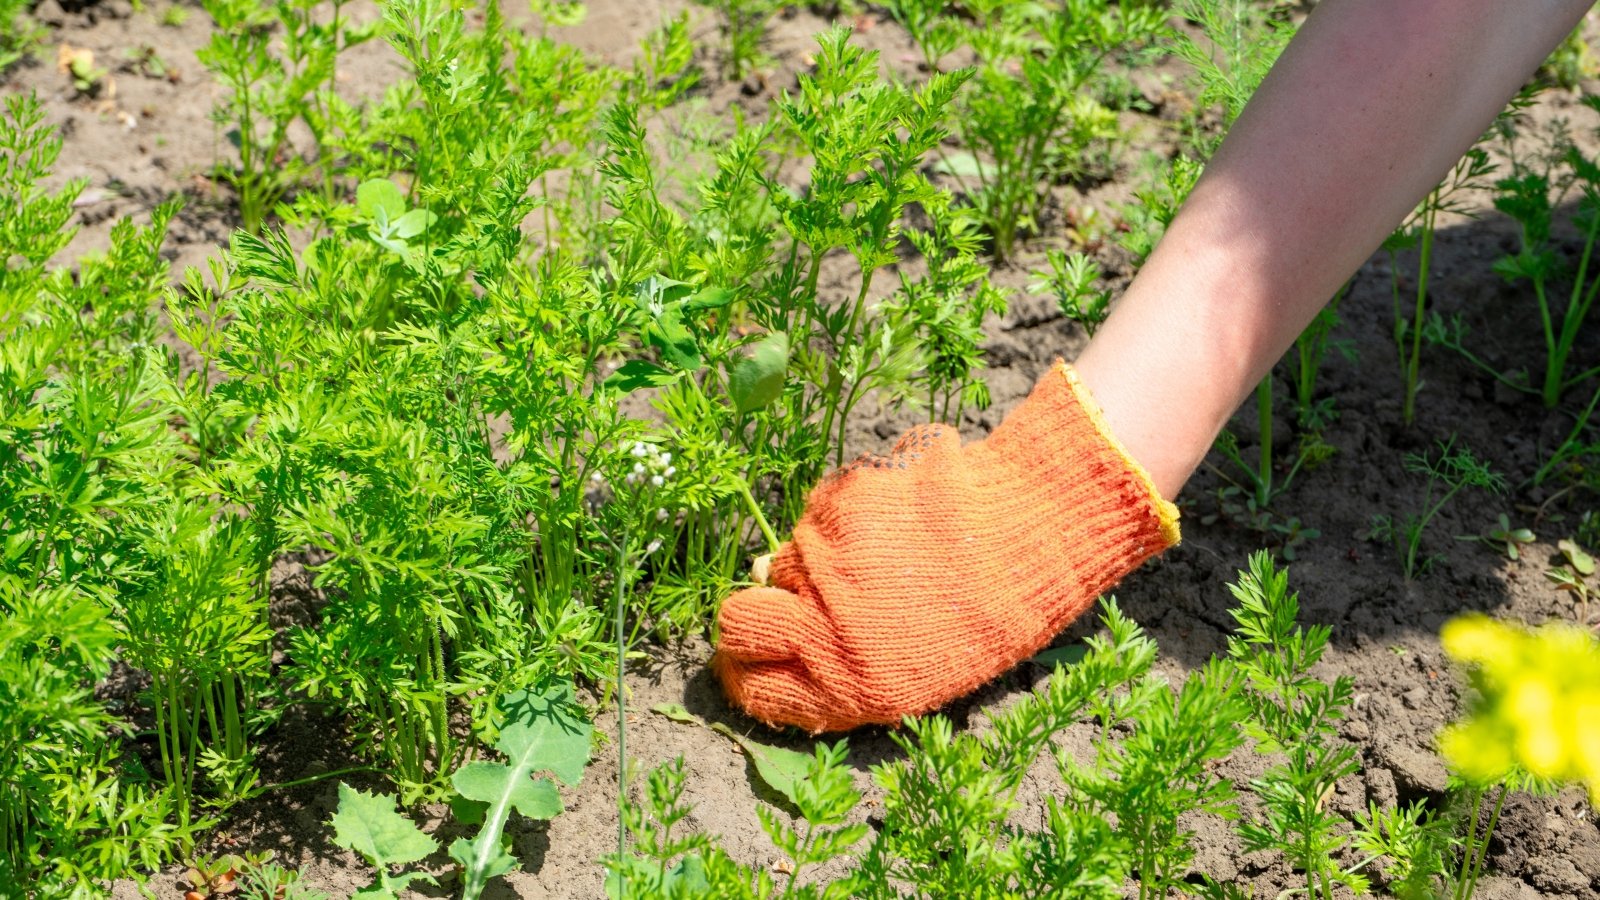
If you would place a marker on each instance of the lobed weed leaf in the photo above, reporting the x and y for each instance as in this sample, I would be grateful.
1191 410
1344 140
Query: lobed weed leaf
370 826
546 731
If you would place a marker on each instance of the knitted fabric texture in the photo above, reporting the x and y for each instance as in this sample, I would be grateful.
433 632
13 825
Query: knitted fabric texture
914 578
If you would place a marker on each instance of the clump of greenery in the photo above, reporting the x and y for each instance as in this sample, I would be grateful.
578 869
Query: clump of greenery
372 364
947 826
541 730
1242 41
1296 715
1074 280
1030 118
744 27
767 412
18 32
1530 197
86 476
946 308
272 86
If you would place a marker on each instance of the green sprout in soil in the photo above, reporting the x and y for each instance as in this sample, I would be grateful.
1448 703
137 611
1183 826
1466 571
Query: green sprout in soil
1564 292
1572 577
1297 715
1030 116
543 731
1447 473
1311 348
1503 538
743 24
1412 324
1075 280
1236 505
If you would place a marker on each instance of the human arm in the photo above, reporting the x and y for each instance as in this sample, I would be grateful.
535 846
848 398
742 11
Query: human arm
915 577
1365 111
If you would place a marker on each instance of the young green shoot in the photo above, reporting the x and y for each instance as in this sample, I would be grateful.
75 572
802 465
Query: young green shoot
1296 715
1447 473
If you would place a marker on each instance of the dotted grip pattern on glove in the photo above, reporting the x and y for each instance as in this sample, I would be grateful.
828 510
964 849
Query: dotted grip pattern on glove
913 579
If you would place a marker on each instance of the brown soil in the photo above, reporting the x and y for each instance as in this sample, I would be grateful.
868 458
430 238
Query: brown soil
153 137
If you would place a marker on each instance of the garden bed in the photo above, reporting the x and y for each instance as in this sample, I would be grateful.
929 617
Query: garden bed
153 137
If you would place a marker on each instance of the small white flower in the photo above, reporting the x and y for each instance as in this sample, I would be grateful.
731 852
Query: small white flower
666 458
661 515
652 547
597 478
640 449
671 471
657 480
638 468
633 478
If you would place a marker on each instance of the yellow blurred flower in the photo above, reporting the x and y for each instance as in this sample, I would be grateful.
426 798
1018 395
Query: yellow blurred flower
1537 705
1471 639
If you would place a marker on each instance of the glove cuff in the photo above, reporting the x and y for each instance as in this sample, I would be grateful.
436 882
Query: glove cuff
1060 434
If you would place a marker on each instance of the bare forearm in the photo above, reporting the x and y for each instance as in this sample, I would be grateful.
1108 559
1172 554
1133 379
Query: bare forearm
1367 109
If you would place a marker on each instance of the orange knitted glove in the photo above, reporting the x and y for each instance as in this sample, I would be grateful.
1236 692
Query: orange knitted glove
914 578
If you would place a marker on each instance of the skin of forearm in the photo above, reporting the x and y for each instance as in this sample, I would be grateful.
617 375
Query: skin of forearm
1366 110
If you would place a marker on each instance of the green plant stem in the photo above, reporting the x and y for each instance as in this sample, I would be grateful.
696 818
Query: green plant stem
1577 311
1466 876
1572 437
622 715
1488 369
755 510
1264 459
1478 852
840 410
1414 360
168 752
1414 540
309 779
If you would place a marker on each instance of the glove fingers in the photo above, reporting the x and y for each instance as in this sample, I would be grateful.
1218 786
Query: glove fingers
758 625
786 569
778 693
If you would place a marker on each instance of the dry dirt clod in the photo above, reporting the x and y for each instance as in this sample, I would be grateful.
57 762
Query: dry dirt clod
1415 771
1499 887
1557 873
